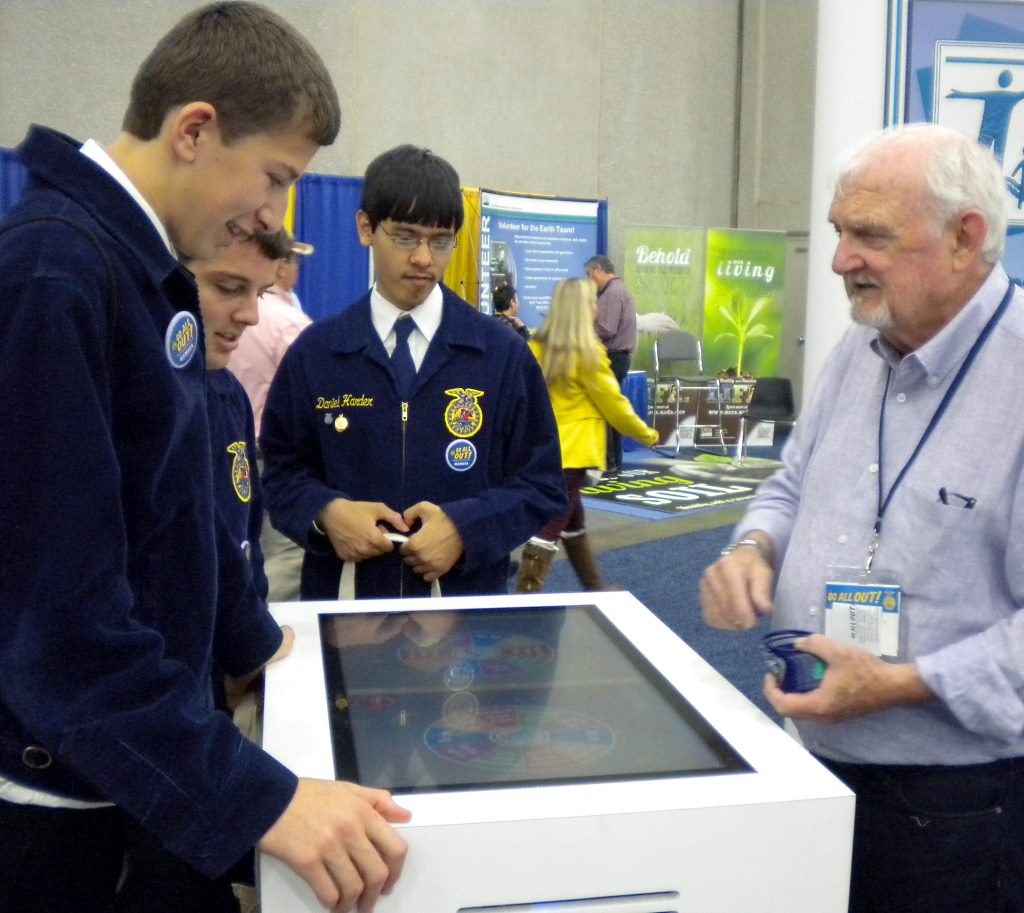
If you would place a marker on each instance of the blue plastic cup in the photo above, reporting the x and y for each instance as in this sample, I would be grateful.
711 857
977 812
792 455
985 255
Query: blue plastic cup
795 671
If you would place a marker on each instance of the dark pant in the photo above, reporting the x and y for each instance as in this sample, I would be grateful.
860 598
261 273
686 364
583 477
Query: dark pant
56 860
937 839
573 520
613 448
157 881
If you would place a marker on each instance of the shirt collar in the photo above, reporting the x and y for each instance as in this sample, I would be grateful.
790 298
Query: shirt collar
948 348
93 150
426 316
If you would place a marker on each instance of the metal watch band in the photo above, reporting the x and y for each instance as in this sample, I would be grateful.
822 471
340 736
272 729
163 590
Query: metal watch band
732 546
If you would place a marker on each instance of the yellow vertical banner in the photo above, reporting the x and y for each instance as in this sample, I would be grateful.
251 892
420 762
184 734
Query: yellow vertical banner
289 213
463 273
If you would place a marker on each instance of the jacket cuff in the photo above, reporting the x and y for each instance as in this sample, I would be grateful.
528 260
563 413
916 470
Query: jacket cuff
254 797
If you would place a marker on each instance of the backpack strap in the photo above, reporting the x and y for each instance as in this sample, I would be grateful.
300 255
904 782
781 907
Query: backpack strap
113 302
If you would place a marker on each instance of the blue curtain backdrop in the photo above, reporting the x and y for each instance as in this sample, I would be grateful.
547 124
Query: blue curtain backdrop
338 272
325 215
13 178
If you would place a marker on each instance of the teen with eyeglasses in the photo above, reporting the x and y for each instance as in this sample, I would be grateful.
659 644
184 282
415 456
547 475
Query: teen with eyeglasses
410 413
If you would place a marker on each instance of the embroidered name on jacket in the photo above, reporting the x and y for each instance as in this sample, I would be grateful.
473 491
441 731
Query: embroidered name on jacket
346 399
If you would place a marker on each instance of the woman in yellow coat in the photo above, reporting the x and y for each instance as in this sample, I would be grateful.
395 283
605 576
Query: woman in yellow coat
585 395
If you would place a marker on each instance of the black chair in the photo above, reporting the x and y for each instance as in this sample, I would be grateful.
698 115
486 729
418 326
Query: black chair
770 401
670 349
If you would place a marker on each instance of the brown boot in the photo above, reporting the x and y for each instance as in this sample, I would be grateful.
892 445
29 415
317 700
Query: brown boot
534 567
581 557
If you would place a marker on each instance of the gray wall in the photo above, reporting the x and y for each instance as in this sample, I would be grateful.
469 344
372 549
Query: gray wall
679 112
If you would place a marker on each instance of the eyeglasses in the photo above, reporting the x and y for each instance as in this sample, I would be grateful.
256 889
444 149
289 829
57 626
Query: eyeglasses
441 245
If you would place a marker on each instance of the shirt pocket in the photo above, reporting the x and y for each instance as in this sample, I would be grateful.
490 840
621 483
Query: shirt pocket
941 535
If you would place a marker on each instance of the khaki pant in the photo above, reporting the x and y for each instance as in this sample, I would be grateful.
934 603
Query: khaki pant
282 562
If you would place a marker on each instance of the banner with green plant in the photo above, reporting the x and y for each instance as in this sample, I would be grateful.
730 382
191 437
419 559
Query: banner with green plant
664 272
743 301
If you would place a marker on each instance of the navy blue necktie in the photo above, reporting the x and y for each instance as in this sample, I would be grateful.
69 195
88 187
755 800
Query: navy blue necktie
401 357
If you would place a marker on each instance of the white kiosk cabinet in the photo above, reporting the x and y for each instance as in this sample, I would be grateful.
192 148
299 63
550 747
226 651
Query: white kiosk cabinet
564 753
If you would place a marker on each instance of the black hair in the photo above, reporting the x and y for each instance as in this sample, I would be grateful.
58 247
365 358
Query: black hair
502 297
411 184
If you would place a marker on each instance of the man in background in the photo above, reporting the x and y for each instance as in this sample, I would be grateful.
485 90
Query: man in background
281 319
506 310
288 274
615 324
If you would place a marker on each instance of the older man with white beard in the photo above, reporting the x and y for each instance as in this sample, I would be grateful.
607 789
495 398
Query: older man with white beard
893 533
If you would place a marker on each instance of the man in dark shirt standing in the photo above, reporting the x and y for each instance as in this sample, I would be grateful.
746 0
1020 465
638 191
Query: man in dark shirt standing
506 309
615 323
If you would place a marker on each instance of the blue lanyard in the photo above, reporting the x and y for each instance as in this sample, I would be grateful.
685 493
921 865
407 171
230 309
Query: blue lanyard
883 502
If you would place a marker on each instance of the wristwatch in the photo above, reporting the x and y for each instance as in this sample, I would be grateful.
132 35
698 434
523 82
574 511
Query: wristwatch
732 546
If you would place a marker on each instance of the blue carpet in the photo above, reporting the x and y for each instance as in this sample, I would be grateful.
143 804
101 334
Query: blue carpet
664 575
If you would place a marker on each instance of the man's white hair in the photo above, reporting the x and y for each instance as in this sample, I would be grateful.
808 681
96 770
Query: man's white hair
961 174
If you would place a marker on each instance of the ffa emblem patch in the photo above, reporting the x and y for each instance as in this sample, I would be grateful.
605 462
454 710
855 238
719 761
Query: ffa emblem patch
240 476
463 415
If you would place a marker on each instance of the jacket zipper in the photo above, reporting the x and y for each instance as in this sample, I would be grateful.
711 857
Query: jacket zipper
405 424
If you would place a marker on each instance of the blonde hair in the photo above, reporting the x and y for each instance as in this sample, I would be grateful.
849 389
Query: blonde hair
567 335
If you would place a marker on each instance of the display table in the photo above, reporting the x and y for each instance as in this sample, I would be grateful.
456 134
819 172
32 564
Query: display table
565 750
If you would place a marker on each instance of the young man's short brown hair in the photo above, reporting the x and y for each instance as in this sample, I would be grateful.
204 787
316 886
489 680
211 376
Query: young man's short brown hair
260 74
276 246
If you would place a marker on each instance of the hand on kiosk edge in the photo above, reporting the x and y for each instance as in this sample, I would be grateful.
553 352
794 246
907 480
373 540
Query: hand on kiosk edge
338 837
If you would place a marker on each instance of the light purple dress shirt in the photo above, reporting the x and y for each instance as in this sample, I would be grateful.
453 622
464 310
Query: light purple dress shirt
961 570
616 317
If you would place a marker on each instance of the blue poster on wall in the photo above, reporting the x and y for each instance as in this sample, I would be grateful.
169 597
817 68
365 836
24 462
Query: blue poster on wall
533 243
961 64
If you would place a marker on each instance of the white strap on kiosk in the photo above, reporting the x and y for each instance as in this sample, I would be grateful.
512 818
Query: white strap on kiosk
347 585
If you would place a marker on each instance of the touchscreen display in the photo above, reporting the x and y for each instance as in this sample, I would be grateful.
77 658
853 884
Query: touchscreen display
482 698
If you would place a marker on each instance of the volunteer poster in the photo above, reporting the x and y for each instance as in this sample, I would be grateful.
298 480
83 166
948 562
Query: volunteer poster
744 282
664 272
533 243
961 64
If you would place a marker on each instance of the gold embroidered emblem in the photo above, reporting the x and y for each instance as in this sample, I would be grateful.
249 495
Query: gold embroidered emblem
241 476
463 416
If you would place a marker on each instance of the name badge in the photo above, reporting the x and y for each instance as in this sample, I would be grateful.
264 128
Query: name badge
864 614
181 341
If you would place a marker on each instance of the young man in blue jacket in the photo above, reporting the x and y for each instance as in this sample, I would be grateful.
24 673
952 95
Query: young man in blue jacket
410 413
109 578
230 285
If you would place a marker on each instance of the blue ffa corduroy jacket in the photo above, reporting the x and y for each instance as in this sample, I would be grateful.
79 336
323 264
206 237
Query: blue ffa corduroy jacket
109 579
236 482
477 438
